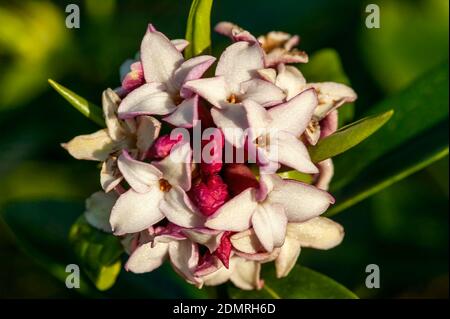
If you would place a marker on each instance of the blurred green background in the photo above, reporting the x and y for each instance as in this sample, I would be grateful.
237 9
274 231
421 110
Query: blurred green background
403 228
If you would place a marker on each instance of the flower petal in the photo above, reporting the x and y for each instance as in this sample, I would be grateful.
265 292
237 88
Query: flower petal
95 147
140 175
98 210
331 96
147 132
294 115
234 215
286 149
214 90
226 28
319 233
261 257
284 56
290 80
288 256
329 124
258 117
133 79
247 242
177 166
192 69
110 175
180 44
204 236
160 58
273 39
185 115
147 258
239 62
232 120
218 277
246 274
110 104
300 201
262 92
178 209
326 172
134 211
269 222
268 74
184 257
148 99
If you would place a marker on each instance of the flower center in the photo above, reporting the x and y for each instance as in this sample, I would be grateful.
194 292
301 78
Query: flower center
177 99
263 141
312 126
164 185
232 99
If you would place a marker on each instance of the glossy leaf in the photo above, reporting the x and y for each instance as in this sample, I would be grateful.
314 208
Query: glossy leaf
40 229
347 137
198 30
302 283
418 109
98 253
296 175
88 109
325 66
405 161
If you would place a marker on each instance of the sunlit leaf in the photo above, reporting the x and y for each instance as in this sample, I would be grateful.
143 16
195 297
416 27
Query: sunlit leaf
418 109
406 160
88 109
302 283
98 253
296 175
198 31
347 137
40 229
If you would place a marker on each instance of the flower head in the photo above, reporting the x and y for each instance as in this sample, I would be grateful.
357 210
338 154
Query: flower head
214 220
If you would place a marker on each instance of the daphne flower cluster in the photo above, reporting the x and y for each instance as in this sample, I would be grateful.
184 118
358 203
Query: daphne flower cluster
214 220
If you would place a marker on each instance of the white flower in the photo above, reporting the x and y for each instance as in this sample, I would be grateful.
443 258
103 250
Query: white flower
165 72
135 135
270 208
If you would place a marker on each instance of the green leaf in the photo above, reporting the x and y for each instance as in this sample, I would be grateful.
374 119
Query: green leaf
348 137
419 110
339 142
40 229
97 252
302 283
325 66
406 160
296 175
198 31
88 109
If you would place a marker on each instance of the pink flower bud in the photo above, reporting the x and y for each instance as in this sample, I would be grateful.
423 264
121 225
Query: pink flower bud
224 250
162 146
210 195
213 146
134 78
